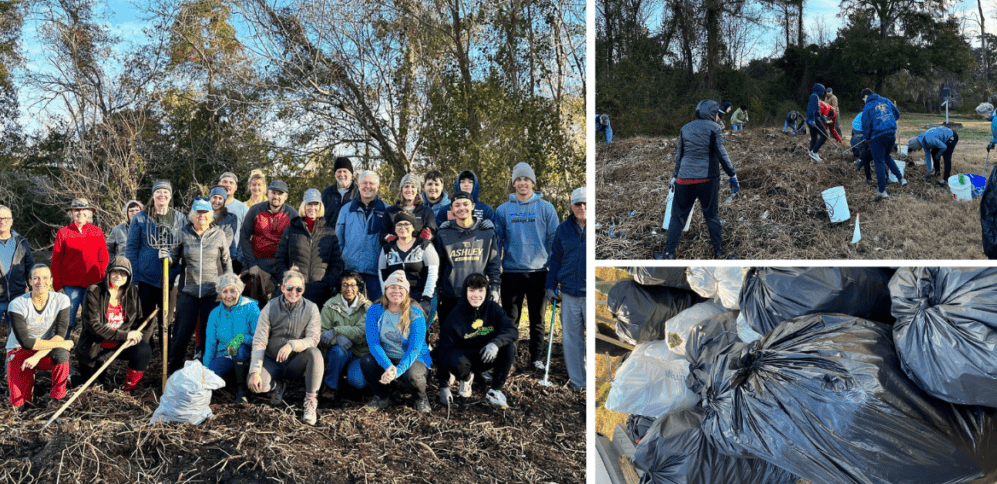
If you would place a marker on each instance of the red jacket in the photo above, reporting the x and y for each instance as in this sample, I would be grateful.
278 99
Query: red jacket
832 114
268 227
79 257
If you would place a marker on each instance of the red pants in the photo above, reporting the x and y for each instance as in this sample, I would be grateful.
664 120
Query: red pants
22 382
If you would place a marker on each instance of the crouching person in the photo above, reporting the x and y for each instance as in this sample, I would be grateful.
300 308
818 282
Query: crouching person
112 313
396 335
38 320
476 337
231 325
285 345
344 335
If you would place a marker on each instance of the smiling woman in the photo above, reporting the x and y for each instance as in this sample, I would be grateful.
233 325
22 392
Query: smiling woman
79 256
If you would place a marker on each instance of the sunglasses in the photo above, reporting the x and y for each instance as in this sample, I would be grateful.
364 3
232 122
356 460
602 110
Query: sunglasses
79 205
297 289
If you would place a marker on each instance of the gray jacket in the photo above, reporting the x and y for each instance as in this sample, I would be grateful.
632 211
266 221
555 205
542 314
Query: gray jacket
117 241
701 151
205 259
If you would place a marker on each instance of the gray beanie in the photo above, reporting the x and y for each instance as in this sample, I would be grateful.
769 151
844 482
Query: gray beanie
913 144
162 184
412 179
523 169
397 278
230 279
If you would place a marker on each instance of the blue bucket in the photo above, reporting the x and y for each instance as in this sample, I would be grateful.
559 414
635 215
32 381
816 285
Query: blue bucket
979 182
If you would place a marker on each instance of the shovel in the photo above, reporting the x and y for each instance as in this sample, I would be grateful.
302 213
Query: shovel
987 160
550 345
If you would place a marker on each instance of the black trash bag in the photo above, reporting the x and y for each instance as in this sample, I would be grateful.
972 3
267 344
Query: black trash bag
675 451
946 331
824 397
660 276
641 311
637 426
716 335
988 215
771 295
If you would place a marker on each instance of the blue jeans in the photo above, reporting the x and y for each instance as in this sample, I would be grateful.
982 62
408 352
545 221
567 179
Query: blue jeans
76 295
3 317
880 148
337 359
609 133
224 364
736 127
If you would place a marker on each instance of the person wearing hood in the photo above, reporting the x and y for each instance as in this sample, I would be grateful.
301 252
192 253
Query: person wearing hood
938 144
408 200
117 240
602 125
112 315
566 284
358 228
818 133
794 124
16 261
416 257
879 124
860 148
344 334
467 181
229 337
476 337
285 346
344 191
433 193
228 222
466 245
204 251
311 246
698 160
525 229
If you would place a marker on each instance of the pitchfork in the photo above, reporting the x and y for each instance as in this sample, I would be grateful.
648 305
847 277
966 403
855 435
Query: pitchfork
165 237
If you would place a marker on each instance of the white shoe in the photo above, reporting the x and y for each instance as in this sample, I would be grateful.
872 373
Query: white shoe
903 182
813 156
495 397
882 194
464 387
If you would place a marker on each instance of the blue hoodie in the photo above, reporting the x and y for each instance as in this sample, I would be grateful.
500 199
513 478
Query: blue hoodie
813 105
879 117
225 324
934 138
481 210
357 229
993 126
526 233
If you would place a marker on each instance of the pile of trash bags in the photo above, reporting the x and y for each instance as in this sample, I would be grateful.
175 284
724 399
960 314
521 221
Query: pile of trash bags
852 375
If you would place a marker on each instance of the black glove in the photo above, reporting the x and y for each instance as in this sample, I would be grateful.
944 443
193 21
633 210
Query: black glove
990 146
553 296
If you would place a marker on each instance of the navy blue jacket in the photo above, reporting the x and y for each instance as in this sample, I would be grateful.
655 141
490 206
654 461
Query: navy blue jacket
879 117
14 280
333 202
567 259
813 105
482 211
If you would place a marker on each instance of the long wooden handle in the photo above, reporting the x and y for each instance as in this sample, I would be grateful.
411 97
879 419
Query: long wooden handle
165 306
95 375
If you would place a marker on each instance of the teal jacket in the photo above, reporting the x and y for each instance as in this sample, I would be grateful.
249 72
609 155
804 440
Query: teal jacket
225 324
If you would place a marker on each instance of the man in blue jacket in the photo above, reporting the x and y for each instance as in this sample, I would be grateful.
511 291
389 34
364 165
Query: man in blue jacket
817 134
467 181
938 143
525 229
15 265
567 270
357 228
879 125
602 125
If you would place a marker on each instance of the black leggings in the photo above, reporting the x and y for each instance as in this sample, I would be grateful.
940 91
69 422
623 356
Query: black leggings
517 286
817 137
461 363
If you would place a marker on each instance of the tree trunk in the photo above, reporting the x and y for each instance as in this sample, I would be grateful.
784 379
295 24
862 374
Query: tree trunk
983 47
799 26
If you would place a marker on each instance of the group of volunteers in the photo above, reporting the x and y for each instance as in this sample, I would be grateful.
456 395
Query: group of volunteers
357 283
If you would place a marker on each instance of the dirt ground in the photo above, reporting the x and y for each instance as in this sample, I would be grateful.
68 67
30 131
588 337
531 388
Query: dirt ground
105 437
780 213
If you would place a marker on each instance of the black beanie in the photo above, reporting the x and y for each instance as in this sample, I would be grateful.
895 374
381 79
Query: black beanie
343 162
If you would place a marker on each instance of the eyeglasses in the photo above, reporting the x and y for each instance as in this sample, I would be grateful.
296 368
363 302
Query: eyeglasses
297 289
347 286
5 219
579 204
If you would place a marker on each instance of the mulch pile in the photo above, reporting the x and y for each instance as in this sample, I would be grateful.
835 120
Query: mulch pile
106 435
780 213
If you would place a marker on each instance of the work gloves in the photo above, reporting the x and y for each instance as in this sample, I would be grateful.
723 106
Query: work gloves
445 396
494 295
328 336
164 254
671 184
426 234
234 344
489 352
734 185
553 296
990 146
344 342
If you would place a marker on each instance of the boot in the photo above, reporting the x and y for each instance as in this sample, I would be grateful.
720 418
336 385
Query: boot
132 378
240 378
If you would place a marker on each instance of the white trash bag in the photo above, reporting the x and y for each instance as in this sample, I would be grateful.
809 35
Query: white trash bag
718 283
651 382
678 329
188 395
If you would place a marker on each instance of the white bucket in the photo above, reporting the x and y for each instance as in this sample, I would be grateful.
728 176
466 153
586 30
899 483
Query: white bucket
903 150
900 166
962 192
836 204
668 213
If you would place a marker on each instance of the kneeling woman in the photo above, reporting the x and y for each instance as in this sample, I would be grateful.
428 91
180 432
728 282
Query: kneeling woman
476 337
112 313
228 340
285 345
396 335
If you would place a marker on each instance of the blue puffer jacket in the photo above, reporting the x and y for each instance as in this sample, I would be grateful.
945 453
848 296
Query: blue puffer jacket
934 138
567 259
414 345
357 228
225 324
879 117
813 105
526 233
993 126
482 211
145 260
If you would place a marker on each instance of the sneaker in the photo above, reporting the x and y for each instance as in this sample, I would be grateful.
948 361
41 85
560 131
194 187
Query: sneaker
422 406
464 387
669 256
882 194
311 415
496 398
941 183
539 365
812 155
486 377
903 182
377 403
278 392
868 181
929 175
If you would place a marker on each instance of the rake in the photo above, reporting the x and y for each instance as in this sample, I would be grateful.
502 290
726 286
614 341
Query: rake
165 237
